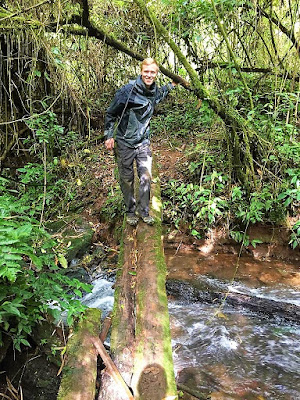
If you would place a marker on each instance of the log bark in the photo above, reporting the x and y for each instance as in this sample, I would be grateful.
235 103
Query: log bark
80 370
111 368
153 376
123 323
105 328
140 337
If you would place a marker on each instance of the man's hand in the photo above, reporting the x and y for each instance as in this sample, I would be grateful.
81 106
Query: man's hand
110 143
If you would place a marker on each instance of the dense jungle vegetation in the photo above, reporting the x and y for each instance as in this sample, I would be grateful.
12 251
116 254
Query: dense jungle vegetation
236 112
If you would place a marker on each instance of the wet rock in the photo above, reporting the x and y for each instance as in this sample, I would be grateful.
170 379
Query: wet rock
31 375
215 293
40 380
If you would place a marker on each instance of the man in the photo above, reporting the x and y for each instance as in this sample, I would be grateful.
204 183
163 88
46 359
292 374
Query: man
129 115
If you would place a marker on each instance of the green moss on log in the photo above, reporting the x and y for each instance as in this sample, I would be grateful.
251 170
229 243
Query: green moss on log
80 371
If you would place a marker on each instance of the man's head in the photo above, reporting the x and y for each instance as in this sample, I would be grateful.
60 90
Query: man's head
149 71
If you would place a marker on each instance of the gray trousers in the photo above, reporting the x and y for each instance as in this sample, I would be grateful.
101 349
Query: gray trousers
143 157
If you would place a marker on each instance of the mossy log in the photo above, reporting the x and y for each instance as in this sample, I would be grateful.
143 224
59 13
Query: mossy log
123 323
140 337
153 375
80 370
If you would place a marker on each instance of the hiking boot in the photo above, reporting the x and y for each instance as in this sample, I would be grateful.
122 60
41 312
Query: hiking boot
132 220
148 219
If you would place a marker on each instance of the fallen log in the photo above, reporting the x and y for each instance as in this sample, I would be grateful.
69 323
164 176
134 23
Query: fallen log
80 370
111 368
140 336
153 376
123 323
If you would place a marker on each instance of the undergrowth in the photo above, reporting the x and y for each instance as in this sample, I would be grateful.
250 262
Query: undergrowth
33 283
210 194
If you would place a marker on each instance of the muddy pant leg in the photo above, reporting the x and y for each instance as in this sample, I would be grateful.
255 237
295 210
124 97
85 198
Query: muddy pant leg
144 165
125 157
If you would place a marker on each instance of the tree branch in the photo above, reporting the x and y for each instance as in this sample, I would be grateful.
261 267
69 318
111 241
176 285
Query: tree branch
101 34
25 10
288 32
204 65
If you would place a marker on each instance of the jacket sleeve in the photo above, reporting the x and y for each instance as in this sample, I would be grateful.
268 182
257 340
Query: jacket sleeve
115 110
163 91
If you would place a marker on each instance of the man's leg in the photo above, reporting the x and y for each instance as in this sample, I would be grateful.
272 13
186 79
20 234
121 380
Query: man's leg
125 157
144 165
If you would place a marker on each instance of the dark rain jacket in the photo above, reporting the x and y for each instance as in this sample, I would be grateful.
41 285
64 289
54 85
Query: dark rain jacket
131 110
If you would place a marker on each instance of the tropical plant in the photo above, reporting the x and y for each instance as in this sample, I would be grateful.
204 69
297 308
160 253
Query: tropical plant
33 282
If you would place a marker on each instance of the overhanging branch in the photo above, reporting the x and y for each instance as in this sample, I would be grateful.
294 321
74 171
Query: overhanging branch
87 28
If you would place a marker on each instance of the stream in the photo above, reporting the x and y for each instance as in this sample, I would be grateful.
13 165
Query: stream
229 352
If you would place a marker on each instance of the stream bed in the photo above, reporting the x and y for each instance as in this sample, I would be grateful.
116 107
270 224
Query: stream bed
224 351
235 355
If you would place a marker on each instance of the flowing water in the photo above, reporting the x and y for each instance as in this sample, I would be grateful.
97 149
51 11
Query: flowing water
237 355
229 353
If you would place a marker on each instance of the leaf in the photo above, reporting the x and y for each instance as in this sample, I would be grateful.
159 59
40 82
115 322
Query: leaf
38 73
55 50
10 308
70 319
24 231
281 196
132 272
15 257
219 314
254 242
10 273
25 342
47 76
5 242
62 260
195 233
287 201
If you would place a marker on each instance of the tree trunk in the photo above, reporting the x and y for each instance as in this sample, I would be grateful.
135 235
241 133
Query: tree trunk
153 377
140 337
80 370
123 323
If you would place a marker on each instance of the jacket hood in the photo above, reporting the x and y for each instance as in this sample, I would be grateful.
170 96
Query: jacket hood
142 89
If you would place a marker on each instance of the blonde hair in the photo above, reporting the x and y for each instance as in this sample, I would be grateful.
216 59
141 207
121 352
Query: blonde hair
148 61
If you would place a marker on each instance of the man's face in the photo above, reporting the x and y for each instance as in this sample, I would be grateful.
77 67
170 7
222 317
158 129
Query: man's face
149 74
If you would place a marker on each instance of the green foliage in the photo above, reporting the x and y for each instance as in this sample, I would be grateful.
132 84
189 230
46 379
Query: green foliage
31 192
242 238
184 120
59 188
32 284
291 193
199 208
295 236
46 130
261 206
